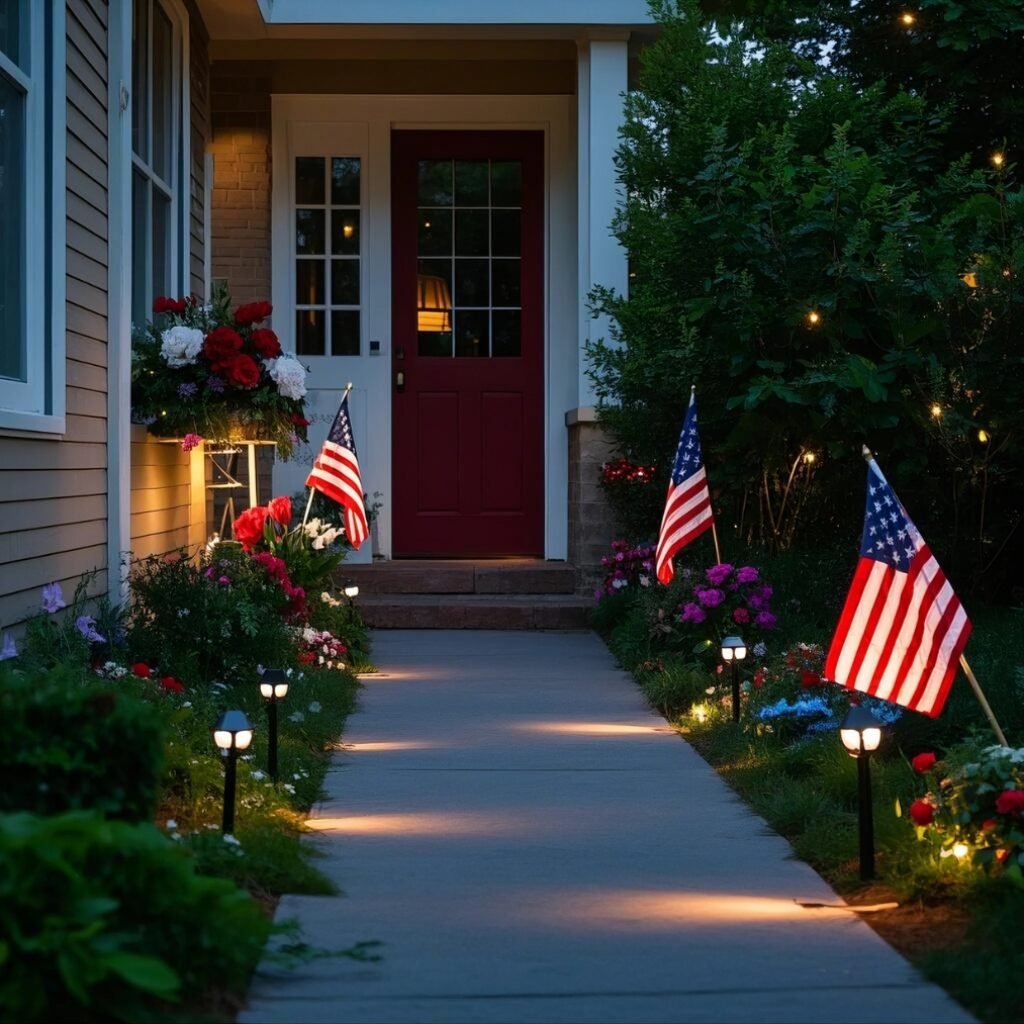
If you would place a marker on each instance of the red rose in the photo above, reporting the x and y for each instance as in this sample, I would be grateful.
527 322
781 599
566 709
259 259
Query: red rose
252 313
221 346
922 763
166 305
307 658
922 812
243 371
808 678
264 343
142 670
248 527
280 510
1010 801
299 420
171 684
759 679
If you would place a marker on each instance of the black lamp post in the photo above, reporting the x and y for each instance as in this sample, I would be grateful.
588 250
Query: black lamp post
733 650
861 734
232 733
273 688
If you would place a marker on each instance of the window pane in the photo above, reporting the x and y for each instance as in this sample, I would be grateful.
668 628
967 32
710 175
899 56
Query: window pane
345 232
309 180
505 241
471 183
507 332
344 282
309 232
163 89
141 309
471 233
12 230
505 282
345 332
435 233
345 181
161 244
140 77
12 25
471 332
309 332
435 183
507 183
434 343
471 283
309 283
434 301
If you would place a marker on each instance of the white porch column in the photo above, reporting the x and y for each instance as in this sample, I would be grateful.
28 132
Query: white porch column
600 86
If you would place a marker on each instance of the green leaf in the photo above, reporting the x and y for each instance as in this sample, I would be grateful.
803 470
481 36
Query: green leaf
898 808
702 647
146 973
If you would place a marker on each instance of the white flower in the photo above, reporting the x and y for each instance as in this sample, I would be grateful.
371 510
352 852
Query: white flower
327 599
645 581
313 528
315 707
186 703
289 787
257 775
180 346
309 634
182 612
296 716
289 375
171 824
231 840
618 584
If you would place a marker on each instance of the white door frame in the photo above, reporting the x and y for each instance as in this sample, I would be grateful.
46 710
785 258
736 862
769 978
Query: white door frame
295 116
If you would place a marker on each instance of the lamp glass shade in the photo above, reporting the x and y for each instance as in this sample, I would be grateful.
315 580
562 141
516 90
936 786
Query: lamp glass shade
280 691
851 740
242 739
733 648
860 731
232 731
266 690
351 590
274 683
223 739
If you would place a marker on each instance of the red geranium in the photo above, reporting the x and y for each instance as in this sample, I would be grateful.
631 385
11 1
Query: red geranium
171 684
280 510
142 670
809 678
221 346
243 371
264 343
252 313
166 305
1010 801
299 421
307 658
923 762
922 813
248 527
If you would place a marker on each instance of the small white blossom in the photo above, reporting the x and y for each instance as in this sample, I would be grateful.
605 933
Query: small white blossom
171 824
289 375
186 703
315 707
289 787
327 599
257 775
296 716
183 612
231 840
180 346
645 581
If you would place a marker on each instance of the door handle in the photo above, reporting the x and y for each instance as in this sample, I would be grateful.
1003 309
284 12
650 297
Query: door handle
400 380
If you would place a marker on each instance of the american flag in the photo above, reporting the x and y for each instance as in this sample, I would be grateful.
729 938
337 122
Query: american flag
336 473
688 504
902 630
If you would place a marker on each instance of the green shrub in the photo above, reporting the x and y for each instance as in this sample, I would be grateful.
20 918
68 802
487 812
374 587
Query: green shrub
675 687
71 743
102 920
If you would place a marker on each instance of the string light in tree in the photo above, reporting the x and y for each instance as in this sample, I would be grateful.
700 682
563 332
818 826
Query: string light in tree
810 458
908 19
983 436
813 318
998 159
936 410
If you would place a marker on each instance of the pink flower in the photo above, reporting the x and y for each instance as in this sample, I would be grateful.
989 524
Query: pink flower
1010 801
190 441
693 613
710 597
740 615
718 574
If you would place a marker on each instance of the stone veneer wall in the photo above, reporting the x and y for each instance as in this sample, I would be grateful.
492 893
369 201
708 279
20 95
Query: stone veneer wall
591 525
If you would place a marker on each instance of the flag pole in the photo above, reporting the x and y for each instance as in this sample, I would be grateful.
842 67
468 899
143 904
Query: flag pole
975 686
309 503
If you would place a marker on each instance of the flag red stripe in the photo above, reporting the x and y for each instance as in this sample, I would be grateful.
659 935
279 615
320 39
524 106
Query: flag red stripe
687 515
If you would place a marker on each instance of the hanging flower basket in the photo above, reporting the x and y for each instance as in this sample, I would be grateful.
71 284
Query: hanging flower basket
203 373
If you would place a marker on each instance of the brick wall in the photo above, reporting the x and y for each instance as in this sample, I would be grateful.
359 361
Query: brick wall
591 525
240 236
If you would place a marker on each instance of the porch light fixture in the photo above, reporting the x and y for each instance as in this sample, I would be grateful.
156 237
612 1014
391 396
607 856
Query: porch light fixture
734 649
861 734
433 304
232 733
273 688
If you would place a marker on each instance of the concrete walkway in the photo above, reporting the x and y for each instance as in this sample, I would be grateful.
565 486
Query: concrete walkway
532 844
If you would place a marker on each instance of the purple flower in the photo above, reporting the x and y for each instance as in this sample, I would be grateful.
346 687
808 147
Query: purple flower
765 620
223 581
188 389
710 597
620 557
718 574
190 441
9 649
86 625
53 598
216 384
747 574
692 613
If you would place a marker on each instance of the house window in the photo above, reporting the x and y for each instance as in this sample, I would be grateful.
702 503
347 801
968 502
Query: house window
327 256
31 200
158 154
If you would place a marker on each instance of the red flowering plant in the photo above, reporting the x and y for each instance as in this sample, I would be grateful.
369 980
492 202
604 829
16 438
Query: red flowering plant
307 554
974 806
207 373
636 496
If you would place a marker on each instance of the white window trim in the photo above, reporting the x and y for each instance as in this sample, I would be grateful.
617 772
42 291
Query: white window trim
38 405
179 189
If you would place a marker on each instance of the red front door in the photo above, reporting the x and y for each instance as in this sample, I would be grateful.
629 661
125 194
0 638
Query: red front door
467 343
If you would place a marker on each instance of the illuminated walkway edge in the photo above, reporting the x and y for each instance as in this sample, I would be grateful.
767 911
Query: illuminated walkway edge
532 844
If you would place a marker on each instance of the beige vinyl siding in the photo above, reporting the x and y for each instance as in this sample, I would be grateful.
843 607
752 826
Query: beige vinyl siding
161 495
53 503
199 95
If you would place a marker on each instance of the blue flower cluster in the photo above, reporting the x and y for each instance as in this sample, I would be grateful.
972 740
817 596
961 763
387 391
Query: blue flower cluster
807 707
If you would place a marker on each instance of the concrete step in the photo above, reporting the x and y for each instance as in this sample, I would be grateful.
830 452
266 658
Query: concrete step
475 611
491 576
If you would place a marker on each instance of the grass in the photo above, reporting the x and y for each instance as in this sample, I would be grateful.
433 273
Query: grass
957 925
